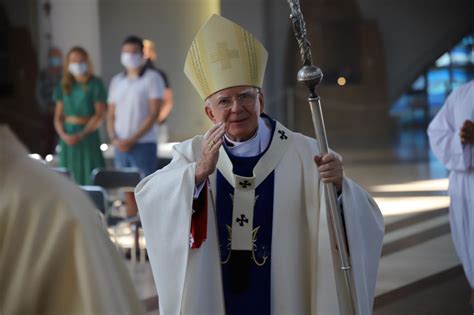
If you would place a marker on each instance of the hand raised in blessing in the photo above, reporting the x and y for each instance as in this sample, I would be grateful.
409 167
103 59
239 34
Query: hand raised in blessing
210 152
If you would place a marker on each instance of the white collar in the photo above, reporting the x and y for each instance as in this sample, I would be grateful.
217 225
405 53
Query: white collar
244 187
253 146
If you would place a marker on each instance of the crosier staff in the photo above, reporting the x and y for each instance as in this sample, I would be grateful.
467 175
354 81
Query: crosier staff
311 76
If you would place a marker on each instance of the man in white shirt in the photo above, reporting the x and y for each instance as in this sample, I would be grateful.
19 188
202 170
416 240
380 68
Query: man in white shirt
451 135
135 98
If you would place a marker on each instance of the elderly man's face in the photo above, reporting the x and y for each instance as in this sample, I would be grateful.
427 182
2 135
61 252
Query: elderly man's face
239 108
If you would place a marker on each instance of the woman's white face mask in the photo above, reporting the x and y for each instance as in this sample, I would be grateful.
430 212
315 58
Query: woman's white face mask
77 68
131 60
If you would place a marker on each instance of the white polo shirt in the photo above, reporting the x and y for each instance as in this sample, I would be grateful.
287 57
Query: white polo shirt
131 99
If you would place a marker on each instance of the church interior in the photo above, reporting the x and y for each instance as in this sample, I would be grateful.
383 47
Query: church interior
388 68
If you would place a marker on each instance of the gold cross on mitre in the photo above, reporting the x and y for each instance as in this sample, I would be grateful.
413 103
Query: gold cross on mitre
224 55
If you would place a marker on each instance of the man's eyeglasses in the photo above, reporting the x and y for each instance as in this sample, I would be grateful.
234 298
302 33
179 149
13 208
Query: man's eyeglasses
244 99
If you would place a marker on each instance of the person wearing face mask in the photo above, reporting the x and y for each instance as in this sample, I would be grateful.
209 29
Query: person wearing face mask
135 98
80 107
48 79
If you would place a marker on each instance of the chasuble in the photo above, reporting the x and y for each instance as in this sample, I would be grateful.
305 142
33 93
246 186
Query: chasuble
288 232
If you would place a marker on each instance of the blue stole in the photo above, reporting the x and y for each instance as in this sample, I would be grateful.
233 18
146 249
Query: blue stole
246 275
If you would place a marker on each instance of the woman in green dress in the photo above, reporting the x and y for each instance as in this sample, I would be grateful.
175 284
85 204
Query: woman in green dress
80 106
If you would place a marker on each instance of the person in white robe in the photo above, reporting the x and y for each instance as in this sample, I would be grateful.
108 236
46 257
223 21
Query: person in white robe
55 254
451 136
188 254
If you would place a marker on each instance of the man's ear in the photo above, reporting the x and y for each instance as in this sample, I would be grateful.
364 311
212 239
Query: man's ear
209 113
262 101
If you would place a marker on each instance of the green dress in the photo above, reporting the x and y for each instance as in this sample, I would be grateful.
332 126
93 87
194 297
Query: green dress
81 158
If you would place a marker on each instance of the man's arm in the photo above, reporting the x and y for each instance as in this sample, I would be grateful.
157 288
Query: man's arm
331 169
167 105
206 165
177 184
111 112
154 110
154 106
111 122
446 140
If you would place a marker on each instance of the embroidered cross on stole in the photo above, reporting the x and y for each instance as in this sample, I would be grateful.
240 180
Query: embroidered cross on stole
244 187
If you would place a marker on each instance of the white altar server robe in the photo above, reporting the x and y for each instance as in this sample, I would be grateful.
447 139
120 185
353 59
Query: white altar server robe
446 144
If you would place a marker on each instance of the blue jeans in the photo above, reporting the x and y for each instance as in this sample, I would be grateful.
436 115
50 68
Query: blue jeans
141 156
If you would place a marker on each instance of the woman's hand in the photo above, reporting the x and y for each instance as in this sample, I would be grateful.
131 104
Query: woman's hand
71 139
330 169
210 153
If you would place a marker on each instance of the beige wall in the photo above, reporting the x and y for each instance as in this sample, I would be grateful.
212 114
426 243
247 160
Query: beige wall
171 24
101 26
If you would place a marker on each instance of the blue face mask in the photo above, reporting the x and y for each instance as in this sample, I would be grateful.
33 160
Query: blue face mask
54 62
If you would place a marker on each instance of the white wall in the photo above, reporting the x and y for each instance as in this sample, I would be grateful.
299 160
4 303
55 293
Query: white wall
172 25
73 23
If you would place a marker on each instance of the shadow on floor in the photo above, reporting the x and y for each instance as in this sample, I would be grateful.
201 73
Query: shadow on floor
445 293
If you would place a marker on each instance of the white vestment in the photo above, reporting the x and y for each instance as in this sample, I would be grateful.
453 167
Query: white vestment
446 144
188 280
55 255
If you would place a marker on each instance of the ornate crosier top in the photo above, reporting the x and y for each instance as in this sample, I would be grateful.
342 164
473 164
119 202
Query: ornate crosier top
299 27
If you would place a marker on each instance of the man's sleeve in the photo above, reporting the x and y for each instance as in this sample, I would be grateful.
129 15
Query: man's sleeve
445 140
166 213
198 232
112 93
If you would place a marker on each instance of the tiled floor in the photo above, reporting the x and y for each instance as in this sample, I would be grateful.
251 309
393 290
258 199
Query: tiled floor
410 187
142 278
